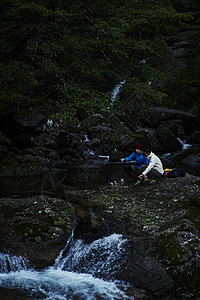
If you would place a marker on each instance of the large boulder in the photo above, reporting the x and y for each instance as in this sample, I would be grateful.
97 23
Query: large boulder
134 113
50 141
190 122
159 224
25 165
150 139
101 132
42 152
194 138
15 124
36 227
65 138
162 228
151 117
188 159
71 146
168 132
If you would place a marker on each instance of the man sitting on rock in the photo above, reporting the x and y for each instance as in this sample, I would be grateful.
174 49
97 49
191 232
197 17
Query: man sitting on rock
133 170
153 171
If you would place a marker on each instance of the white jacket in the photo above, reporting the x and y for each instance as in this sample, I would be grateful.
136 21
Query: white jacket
154 163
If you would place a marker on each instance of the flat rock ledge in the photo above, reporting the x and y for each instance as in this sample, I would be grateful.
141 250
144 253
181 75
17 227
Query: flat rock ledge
161 223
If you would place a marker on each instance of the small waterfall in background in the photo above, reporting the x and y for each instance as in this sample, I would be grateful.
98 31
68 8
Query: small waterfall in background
184 145
86 138
90 152
81 271
115 92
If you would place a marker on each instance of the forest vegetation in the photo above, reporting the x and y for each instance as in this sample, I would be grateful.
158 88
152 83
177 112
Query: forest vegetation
64 57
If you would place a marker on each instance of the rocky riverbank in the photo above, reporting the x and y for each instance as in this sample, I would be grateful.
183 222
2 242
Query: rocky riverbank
161 223
31 145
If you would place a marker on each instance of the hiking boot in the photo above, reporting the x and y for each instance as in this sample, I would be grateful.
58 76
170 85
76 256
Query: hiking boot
152 181
138 182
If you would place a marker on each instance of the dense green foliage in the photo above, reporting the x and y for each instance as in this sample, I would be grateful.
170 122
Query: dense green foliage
66 56
184 88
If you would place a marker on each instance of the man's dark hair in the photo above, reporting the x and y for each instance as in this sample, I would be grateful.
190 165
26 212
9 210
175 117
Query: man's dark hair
147 151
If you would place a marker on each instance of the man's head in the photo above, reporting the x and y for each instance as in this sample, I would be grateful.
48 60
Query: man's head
147 152
138 148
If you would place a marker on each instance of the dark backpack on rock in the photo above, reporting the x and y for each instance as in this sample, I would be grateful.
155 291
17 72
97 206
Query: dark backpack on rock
176 173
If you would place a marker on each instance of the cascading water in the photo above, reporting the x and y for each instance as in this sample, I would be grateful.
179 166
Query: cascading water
100 258
81 271
184 145
115 92
12 263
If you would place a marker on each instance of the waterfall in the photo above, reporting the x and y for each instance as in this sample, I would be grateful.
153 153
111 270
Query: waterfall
143 61
115 92
81 271
86 138
184 145
12 263
102 256
50 123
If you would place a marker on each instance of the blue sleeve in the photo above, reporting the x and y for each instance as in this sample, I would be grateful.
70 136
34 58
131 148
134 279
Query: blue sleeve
131 157
146 161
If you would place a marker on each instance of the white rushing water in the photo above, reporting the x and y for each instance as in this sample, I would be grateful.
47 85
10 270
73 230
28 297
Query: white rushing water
115 92
81 271
184 145
104 157
12 263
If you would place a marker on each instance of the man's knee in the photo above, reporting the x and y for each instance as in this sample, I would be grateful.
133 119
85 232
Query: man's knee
155 174
133 168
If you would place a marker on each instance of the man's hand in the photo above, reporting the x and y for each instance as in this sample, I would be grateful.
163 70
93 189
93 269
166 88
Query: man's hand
122 159
143 177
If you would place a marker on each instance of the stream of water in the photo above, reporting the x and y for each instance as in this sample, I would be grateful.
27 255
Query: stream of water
81 271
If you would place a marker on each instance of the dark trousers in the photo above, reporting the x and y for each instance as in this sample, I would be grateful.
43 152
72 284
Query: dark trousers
152 174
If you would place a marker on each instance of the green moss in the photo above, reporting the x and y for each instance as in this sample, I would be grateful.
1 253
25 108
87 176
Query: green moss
38 239
31 230
170 248
178 261
68 211
60 221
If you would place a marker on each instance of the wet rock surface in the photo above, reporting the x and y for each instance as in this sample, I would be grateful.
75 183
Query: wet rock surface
35 227
161 223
